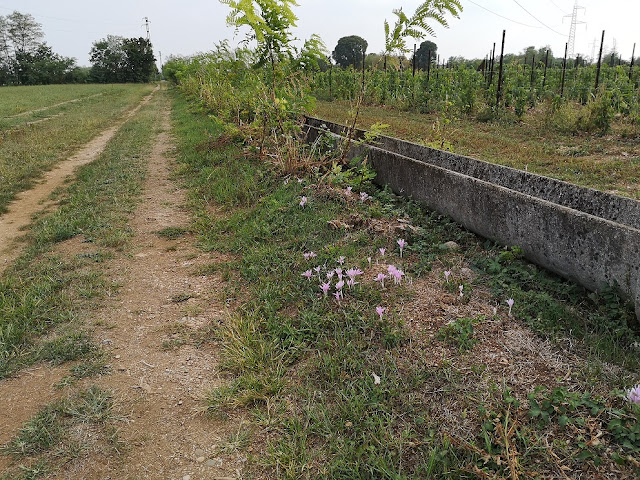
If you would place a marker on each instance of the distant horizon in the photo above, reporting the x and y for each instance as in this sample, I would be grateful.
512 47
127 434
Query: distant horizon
195 26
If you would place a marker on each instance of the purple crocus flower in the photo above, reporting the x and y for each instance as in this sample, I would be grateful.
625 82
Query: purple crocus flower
633 395
303 201
401 244
307 274
341 260
447 274
325 287
380 311
381 277
510 302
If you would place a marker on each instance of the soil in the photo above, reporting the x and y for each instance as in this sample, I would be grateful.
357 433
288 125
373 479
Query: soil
153 332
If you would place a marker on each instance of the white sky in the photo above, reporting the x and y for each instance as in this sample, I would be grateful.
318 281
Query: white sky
185 27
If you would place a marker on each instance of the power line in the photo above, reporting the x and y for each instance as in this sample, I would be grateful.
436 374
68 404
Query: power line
502 16
555 5
537 20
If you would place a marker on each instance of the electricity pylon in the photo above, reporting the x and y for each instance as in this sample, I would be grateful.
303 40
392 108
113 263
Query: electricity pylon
572 31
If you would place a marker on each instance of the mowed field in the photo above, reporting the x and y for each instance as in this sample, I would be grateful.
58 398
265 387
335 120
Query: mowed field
609 162
41 125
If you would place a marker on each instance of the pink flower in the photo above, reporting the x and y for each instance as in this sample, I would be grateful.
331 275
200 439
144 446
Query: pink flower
307 274
380 278
339 273
337 295
303 201
341 260
461 288
380 311
351 283
352 273
364 196
633 395
510 302
330 274
447 274
402 244
382 251
348 189
309 255
325 288
339 285
396 274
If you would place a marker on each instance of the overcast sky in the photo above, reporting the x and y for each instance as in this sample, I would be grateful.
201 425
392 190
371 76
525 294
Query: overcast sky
184 27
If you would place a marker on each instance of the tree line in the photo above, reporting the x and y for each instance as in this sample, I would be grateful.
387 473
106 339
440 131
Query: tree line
25 59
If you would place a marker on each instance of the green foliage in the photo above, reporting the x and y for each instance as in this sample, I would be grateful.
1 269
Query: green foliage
350 51
417 25
460 333
122 60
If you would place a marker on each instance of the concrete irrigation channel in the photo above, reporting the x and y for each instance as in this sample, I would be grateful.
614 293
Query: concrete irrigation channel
585 235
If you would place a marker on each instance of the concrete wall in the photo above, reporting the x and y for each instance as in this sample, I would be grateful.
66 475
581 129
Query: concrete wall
590 237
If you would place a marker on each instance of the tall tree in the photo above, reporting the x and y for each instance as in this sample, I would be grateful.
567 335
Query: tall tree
43 66
350 51
427 52
23 32
118 60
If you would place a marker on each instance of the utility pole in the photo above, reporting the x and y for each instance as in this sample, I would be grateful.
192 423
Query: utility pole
146 23
572 30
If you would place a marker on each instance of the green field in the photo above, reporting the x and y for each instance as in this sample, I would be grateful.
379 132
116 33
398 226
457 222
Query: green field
34 143
19 100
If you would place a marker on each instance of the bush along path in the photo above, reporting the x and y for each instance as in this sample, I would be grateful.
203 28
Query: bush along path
130 403
371 338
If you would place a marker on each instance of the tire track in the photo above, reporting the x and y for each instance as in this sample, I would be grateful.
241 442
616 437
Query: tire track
30 202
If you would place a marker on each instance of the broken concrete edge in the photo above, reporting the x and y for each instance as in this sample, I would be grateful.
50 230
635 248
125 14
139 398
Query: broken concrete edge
588 200
592 251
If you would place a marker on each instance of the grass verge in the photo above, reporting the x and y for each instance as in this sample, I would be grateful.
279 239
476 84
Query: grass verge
62 431
419 378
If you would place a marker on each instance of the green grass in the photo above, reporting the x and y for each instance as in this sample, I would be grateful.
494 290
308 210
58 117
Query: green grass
304 365
27 151
56 434
44 296
610 162
19 100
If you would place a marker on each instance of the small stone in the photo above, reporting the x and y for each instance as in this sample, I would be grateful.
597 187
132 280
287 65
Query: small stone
210 463
117 357
180 402
453 246
199 452
186 477
200 459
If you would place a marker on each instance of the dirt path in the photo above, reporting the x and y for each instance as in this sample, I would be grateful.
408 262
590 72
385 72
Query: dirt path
158 374
32 201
